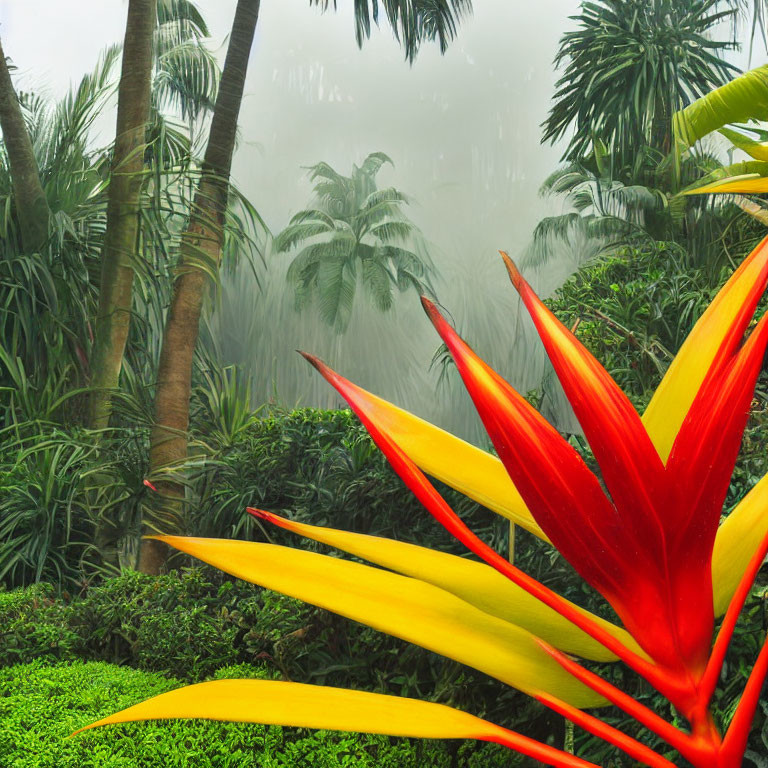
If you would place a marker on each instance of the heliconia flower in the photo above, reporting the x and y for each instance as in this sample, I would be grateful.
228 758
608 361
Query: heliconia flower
646 534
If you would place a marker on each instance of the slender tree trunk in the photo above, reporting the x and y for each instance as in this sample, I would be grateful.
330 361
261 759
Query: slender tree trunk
200 253
31 204
121 236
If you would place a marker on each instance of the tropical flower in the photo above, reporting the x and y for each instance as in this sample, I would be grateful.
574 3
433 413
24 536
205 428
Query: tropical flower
646 535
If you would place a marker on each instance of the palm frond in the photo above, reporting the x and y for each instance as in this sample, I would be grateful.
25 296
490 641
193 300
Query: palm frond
413 22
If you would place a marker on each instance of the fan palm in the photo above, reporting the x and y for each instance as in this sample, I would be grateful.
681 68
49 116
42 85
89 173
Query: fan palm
356 234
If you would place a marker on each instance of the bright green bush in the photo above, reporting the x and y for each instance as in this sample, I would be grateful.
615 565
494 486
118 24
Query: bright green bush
192 623
41 705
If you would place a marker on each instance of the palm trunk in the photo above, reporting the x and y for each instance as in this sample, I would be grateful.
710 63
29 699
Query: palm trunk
29 196
200 252
120 238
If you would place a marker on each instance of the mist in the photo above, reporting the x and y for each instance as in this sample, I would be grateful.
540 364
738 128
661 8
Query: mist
463 130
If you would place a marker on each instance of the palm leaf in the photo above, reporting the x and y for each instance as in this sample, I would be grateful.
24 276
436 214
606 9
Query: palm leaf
373 163
392 230
743 99
293 234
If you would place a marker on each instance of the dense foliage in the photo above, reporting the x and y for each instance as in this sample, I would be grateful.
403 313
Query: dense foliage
191 624
40 705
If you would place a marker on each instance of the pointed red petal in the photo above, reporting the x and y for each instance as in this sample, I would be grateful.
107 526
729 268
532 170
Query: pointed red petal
622 558
629 463
606 732
705 450
437 506
709 346
700 468
564 496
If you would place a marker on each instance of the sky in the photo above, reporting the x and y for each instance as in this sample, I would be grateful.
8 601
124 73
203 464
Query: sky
463 131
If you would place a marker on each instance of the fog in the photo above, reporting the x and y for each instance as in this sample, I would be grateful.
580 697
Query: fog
463 130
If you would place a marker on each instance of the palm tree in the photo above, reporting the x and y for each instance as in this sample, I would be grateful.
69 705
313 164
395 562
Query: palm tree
164 64
47 297
201 245
629 66
413 21
357 234
125 181
632 66
29 197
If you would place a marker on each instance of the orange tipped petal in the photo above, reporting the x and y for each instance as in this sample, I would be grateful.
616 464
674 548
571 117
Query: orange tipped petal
567 501
709 345
628 460
437 506
564 496
276 702
701 464
477 583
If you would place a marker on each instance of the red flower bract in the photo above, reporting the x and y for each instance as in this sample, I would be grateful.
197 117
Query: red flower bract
642 529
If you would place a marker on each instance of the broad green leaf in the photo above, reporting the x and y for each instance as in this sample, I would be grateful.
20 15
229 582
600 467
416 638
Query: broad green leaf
407 608
273 702
476 583
758 149
744 98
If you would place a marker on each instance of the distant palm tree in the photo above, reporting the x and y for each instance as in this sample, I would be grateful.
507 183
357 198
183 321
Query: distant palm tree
357 234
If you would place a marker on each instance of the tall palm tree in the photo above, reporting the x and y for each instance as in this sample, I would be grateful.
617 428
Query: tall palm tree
125 181
201 245
413 21
29 197
164 64
357 234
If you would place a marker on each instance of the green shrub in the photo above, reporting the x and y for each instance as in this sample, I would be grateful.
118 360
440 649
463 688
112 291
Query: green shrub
45 524
41 705
191 624
36 624
322 467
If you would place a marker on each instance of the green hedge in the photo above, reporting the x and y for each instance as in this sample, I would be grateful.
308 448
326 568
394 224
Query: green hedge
190 624
40 705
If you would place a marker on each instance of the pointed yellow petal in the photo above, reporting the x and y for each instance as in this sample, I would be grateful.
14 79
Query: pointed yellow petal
407 608
738 185
718 331
476 583
273 702
737 540
475 473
